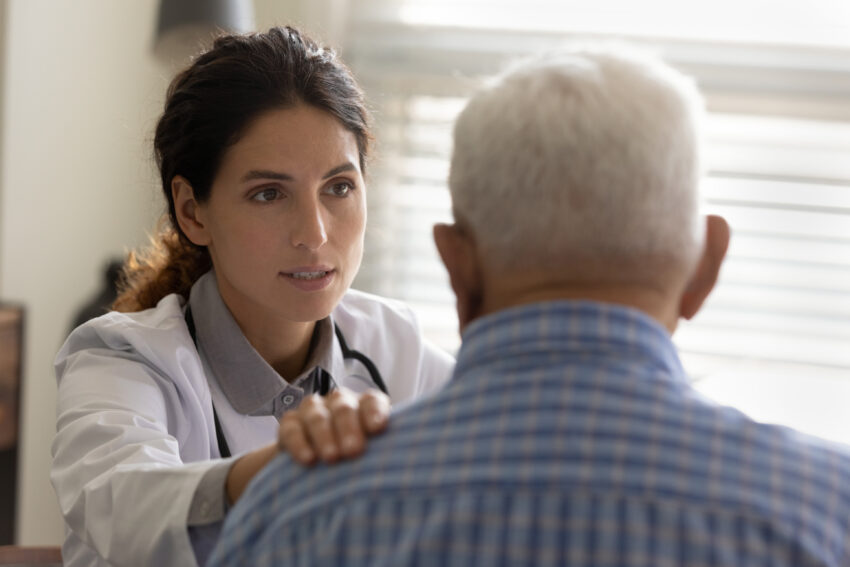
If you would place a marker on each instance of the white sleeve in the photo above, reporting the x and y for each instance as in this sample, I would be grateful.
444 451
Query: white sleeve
388 332
122 484
436 366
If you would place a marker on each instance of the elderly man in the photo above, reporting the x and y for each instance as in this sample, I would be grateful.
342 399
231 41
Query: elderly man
569 433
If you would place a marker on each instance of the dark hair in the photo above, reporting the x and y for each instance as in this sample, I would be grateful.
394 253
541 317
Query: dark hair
208 107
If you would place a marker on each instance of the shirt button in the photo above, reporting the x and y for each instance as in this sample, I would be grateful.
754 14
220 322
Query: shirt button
288 399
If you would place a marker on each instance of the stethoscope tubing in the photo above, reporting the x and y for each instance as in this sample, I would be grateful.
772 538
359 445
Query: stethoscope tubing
374 373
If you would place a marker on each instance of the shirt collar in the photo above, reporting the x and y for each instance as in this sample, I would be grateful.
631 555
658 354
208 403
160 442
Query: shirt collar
251 385
568 329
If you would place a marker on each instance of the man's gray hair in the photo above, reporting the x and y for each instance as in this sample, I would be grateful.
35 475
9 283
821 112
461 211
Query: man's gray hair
581 158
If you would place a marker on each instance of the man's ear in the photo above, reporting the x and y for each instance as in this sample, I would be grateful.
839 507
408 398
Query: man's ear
457 249
188 211
705 275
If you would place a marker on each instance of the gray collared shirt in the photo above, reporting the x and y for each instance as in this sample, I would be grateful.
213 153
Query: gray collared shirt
251 386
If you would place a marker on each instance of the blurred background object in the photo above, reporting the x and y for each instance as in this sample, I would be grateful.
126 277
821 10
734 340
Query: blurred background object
11 338
20 556
103 299
184 27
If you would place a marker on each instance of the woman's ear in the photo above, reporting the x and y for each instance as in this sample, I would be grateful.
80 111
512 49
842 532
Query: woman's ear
188 211
457 250
705 275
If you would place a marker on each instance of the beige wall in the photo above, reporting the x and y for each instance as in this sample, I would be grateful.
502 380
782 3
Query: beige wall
324 20
80 96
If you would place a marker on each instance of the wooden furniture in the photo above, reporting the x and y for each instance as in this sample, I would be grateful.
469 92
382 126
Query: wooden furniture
11 555
11 349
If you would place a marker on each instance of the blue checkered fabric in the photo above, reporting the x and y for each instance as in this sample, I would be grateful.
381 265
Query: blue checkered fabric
568 436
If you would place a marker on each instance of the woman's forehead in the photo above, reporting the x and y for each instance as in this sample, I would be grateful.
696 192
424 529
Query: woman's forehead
301 138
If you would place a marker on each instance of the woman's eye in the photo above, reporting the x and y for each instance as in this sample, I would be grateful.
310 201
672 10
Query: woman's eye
341 189
266 195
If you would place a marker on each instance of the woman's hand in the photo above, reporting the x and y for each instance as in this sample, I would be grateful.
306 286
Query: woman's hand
331 428
334 427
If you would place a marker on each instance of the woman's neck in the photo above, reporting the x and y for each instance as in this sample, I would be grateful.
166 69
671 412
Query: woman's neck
284 344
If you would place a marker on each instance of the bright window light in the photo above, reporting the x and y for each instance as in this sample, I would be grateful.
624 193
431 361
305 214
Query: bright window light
824 23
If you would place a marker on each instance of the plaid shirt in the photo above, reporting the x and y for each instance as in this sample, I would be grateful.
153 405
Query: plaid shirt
569 435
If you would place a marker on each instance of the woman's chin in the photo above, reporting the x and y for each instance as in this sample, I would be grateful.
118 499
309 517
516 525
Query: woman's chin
309 310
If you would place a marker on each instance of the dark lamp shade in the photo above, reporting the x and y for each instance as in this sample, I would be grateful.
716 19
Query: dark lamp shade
186 27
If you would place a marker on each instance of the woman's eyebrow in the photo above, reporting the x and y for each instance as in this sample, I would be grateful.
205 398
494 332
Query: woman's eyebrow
266 174
347 166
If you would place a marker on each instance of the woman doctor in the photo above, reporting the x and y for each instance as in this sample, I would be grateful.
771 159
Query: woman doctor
242 309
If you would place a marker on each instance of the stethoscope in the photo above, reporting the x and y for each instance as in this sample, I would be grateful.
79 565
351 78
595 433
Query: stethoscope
325 380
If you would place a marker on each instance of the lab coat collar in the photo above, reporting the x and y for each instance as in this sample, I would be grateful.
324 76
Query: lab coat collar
251 385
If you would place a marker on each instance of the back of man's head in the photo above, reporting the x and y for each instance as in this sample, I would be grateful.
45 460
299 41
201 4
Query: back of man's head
580 171
585 160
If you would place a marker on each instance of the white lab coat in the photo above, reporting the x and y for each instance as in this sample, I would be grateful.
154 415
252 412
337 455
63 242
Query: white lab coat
135 430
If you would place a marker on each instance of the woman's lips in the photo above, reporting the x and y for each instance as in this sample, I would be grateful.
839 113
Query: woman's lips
310 278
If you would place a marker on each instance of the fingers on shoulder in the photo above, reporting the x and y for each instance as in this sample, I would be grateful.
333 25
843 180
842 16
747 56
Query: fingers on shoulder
374 411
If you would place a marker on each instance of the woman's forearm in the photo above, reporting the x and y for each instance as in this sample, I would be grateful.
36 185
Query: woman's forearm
244 469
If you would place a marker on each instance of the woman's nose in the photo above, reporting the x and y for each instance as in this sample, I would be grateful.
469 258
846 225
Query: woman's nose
309 227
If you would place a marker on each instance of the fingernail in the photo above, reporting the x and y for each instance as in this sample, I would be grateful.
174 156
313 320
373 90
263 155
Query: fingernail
350 442
329 452
376 419
307 455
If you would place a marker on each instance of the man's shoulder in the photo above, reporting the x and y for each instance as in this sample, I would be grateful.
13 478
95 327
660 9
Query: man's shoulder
715 459
786 455
398 460
764 444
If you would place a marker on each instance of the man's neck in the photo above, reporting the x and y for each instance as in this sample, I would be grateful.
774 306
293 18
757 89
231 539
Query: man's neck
655 302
